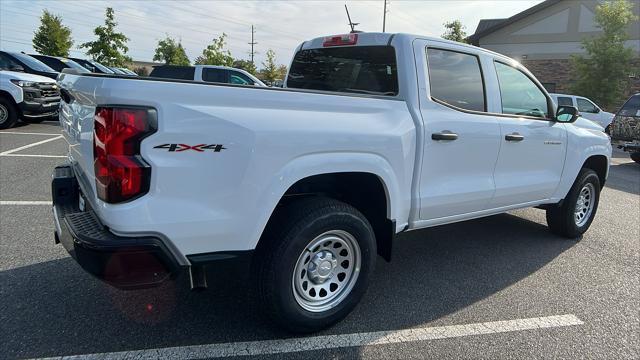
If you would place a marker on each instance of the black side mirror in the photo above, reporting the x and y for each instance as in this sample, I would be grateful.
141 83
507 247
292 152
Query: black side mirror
566 114
16 68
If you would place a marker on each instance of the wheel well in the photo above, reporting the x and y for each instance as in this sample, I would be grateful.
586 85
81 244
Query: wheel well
7 96
597 163
364 191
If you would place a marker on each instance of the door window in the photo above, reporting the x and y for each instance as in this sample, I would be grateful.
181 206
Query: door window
239 78
456 79
587 106
520 95
564 101
214 75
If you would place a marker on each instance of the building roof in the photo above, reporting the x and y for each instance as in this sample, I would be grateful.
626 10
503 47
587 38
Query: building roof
491 25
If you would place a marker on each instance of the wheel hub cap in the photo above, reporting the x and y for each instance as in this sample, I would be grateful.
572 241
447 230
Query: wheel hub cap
321 267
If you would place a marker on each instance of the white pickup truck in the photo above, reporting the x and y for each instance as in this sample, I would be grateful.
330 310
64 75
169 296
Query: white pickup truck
375 134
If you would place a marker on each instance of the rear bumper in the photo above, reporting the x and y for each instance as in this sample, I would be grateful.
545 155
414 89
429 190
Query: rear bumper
124 262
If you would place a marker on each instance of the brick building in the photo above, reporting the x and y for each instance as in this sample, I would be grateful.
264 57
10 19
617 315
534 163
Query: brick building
544 37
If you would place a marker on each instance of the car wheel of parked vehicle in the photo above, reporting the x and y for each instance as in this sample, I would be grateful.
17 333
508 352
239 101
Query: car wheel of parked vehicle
635 157
314 264
8 114
574 216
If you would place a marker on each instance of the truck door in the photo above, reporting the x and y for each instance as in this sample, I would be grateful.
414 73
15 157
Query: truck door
533 146
461 142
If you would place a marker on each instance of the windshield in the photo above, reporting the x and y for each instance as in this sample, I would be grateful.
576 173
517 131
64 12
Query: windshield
359 69
33 63
72 64
631 107
101 67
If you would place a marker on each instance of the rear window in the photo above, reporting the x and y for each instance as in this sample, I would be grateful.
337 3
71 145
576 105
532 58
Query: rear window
631 107
564 101
359 69
173 72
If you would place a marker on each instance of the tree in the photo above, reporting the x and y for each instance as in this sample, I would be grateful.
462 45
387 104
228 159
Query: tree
454 30
269 71
110 47
216 54
245 65
171 52
602 73
282 72
52 38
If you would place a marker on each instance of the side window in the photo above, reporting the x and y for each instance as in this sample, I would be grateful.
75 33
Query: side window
520 95
564 101
214 75
5 62
456 79
239 78
587 106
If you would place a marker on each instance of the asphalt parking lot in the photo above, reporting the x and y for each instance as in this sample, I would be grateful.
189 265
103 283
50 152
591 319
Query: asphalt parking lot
499 287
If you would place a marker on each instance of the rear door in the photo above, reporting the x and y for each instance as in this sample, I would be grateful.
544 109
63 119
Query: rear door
461 141
215 75
533 146
589 110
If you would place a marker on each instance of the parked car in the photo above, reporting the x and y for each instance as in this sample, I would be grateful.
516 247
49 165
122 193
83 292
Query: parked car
92 66
32 98
20 62
310 182
58 63
587 108
206 73
625 128
127 71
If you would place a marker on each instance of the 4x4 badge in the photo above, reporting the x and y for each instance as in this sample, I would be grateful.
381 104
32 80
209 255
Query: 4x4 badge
184 147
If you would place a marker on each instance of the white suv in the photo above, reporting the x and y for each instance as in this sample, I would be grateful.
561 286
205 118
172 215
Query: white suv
587 108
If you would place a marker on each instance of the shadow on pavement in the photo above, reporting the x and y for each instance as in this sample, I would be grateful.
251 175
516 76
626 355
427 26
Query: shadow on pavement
624 177
54 308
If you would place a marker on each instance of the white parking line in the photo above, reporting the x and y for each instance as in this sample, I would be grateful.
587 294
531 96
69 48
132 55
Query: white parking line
26 133
8 202
30 145
268 347
36 156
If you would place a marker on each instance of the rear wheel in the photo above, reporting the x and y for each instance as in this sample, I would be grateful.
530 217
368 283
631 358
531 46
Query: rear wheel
635 157
314 263
8 114
574 216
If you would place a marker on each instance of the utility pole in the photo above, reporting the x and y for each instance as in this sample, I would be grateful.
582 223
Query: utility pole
384 16
252 43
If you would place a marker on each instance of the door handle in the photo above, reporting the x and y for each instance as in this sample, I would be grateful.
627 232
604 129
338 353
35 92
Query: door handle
444 135
514 137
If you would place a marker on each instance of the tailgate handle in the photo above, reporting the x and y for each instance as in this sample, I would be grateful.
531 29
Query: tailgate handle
66 96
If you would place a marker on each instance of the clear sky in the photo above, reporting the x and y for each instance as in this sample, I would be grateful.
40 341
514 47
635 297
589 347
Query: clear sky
280 25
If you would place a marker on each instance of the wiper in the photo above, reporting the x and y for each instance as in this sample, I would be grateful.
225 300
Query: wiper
369 92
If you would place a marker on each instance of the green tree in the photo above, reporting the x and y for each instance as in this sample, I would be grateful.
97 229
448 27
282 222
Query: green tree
215 53
171 52
603 73
52 38
454 30
282 72
245 65
269 71
110 47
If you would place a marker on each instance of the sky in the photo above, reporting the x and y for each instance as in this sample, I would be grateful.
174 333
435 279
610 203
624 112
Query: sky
279 25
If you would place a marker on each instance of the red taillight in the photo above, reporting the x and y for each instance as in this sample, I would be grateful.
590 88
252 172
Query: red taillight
121 173
340 40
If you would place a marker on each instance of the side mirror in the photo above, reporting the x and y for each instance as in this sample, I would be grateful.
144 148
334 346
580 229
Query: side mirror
17 68
566 114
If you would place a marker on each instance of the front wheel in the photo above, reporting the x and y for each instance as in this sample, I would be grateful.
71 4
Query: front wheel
574 216
314 263
8 114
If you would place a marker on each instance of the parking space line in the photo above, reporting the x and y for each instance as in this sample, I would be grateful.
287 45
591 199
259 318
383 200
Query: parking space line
8 202
30 145
36 156
270 347
26 133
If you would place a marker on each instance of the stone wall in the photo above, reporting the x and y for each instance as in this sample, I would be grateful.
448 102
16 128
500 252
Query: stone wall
557 76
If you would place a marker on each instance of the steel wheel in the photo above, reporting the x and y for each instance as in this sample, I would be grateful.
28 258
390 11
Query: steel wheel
4 113
584 205
326 271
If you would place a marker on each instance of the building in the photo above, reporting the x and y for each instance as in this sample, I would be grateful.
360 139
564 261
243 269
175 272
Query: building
544 37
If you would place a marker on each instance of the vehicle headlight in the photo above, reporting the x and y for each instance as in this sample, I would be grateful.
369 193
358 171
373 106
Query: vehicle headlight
23 83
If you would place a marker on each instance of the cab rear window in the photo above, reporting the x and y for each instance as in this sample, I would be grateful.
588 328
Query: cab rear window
358 69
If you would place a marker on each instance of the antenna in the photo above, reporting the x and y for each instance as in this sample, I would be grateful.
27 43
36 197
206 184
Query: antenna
351 24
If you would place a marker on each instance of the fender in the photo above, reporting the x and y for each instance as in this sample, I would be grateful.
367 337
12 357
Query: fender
323 163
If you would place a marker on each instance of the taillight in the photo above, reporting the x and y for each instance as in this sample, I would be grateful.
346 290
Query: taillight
340 40
121 173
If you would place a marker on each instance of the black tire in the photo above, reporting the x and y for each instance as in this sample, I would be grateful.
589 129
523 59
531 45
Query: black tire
561 218
8 114
292 230
635 157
